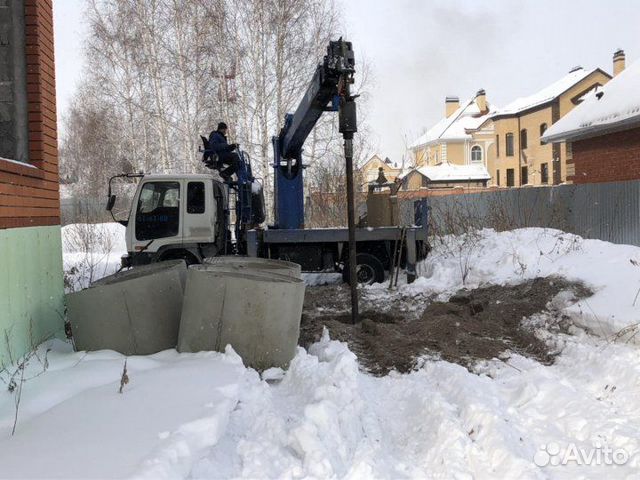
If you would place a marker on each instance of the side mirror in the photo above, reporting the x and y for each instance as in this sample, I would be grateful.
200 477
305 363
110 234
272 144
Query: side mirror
111 202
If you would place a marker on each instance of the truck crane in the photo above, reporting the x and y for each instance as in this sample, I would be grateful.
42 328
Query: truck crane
188 216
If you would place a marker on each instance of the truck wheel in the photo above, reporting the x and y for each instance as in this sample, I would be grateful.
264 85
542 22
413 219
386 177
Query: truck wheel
369 269
188 257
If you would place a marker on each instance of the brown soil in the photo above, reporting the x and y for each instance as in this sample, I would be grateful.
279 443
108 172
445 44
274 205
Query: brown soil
473 325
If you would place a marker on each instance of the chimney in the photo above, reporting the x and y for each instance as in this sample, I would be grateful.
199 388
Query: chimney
451 105
618 61
481 101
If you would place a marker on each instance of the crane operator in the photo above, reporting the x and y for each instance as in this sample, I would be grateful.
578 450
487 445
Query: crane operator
227 157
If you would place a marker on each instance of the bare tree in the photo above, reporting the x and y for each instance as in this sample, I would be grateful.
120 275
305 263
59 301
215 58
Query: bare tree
160 72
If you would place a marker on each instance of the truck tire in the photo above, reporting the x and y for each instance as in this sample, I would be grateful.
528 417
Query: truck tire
369 269
188 257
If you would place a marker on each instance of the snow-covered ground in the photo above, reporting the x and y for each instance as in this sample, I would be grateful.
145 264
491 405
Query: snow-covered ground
206 416
90 252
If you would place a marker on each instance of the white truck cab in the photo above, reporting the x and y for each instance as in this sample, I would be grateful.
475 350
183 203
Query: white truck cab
177 216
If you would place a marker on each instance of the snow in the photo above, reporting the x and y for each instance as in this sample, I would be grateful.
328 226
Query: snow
324 419
66 191
206 416
17 162
616 103
455 126
449 171
91 251
548 93
79 426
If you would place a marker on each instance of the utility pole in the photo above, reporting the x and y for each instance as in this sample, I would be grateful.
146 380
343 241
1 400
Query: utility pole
347 121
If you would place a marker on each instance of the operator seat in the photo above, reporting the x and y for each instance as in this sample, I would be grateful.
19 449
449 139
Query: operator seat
209 157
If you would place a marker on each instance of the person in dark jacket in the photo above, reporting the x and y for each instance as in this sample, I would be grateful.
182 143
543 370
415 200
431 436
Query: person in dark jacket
227 157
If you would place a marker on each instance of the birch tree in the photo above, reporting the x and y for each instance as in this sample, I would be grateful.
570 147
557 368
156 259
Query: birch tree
160 72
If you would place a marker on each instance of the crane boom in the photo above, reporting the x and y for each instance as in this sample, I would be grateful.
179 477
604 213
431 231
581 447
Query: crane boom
328 91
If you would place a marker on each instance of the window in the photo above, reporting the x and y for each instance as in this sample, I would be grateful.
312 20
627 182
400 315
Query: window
498 177
157 214
476 153
543 128
510 177
509 147
195 197
497 145
544 173
523 139
569 151
524 176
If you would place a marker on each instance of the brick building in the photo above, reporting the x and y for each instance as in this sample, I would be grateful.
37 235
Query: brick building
603 132
31 281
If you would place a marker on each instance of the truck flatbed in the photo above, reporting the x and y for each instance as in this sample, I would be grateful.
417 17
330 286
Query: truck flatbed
415 236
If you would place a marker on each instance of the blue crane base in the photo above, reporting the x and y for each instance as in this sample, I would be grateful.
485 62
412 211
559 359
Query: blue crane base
289 199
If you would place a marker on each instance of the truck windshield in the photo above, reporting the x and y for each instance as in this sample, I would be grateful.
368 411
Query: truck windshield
158 212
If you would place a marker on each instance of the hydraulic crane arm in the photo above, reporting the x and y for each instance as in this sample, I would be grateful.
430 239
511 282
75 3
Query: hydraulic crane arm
328 91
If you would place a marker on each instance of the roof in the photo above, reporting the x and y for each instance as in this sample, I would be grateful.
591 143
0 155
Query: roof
547 94
446 172
179 176
455 126
386 162
616 106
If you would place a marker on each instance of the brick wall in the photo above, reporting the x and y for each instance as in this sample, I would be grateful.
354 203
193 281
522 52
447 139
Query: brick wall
608 158
29 192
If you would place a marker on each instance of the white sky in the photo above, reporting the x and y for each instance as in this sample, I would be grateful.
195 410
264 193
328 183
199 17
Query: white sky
421 51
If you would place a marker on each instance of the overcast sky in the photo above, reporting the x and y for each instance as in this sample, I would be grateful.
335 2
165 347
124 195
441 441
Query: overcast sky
421 51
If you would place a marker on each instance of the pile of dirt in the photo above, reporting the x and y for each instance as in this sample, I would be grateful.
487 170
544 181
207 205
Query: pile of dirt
473 325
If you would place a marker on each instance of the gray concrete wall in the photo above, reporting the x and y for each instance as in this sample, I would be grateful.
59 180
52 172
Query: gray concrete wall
14 135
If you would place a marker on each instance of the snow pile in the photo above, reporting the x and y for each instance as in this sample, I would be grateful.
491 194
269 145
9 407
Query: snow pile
205 416
490 257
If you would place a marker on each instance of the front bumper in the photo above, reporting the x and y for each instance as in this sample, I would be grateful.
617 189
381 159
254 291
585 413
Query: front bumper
130 259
